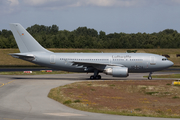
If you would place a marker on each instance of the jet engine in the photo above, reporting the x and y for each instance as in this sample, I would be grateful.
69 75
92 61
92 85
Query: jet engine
117 71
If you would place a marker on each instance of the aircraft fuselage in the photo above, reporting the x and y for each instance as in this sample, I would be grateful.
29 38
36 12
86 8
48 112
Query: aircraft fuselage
135 62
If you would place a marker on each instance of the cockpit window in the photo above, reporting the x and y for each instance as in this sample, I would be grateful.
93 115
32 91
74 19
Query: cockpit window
164 59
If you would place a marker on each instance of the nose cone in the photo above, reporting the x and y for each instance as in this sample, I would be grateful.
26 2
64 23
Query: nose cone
166 64
170 63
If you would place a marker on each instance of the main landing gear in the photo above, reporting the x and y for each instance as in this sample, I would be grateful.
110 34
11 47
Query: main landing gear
95 76
92 77
150 77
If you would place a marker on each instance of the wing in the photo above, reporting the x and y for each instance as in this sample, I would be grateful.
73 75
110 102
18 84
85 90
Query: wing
96 65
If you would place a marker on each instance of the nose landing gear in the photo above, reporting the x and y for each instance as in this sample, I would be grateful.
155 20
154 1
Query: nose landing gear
150 77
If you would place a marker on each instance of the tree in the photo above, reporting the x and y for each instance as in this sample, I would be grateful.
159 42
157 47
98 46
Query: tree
168 31
102 35
83 31
54 29
83 37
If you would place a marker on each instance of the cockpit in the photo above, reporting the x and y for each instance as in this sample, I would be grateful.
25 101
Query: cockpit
164 59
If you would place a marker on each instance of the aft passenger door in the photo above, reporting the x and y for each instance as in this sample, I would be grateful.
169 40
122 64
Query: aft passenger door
52 59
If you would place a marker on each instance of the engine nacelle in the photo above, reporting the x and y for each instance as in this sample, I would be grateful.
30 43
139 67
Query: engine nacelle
117 71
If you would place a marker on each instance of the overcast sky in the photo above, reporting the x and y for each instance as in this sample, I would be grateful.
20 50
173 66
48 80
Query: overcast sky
128 16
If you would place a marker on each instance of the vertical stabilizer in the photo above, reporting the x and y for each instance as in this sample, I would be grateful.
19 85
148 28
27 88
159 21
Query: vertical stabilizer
25 42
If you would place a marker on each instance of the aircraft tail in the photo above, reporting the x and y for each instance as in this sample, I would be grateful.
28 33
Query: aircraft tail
25 42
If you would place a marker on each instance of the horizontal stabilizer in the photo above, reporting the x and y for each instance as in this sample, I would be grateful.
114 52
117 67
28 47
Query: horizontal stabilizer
24 56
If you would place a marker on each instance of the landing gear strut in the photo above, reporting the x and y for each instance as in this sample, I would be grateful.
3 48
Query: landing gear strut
95 76
150 77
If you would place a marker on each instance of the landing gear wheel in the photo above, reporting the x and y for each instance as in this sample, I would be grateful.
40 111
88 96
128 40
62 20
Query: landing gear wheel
92 77
99 77
150 78
95 76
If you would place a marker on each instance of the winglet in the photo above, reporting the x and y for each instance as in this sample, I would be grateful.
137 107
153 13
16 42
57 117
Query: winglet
25 42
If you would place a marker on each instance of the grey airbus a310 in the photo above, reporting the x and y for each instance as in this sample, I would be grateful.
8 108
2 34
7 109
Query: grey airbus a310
115 64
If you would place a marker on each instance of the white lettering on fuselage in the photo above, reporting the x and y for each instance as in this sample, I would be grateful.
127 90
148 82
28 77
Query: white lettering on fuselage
119 56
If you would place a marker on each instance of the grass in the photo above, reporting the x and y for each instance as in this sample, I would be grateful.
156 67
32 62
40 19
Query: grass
175 97
33 73
138 109
151 93
129 96
77 101
7 60
67 102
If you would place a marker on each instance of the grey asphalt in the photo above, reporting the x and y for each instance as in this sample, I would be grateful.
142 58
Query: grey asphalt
25 98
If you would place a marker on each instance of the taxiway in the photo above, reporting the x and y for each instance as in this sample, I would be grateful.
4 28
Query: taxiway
25 98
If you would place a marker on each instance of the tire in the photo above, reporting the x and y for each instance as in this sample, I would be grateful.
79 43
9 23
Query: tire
92 77
99 77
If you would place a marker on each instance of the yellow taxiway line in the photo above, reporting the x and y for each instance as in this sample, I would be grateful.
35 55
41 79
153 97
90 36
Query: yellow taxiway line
2 84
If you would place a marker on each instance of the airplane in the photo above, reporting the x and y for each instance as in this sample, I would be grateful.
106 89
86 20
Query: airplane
115 64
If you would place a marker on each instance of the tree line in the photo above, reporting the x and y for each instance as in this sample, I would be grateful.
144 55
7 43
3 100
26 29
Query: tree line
83 37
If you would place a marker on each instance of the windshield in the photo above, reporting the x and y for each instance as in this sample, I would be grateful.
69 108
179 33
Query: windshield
164 59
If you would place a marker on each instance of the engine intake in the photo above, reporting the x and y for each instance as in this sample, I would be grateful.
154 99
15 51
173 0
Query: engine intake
117 71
